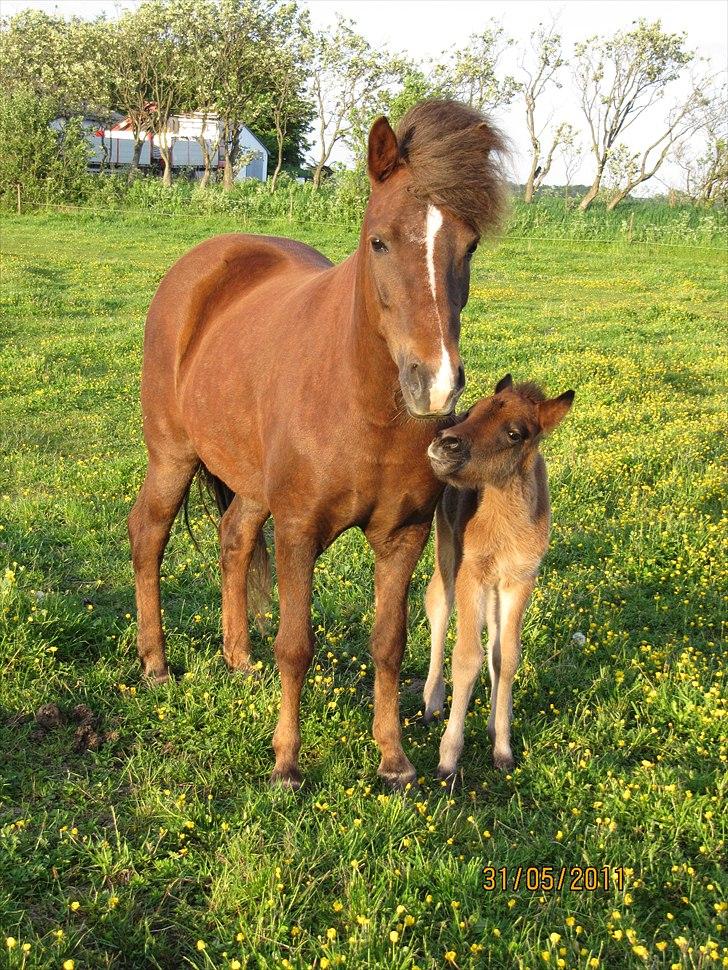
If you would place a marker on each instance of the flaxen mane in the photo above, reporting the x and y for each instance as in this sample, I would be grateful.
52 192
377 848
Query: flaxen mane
455 157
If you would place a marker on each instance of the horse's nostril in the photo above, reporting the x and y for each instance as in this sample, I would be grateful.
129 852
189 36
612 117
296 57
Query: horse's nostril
451 443
414 367
461 378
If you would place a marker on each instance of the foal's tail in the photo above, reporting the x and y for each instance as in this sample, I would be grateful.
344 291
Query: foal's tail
259 576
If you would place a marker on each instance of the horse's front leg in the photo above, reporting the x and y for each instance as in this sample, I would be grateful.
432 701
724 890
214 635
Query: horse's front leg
295 557
395 560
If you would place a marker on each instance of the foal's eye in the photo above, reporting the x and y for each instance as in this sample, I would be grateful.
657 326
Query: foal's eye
515 435
378 246
470 252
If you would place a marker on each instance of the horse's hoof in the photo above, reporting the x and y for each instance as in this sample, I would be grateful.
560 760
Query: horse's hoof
399 779
446 774
153 678
244 670
290 779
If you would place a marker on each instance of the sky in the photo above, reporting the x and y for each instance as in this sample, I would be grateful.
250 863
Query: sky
425 28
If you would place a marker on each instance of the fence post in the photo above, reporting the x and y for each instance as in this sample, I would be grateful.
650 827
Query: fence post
17 186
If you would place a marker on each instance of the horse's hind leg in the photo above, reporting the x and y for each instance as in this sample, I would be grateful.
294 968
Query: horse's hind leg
240 540
150 522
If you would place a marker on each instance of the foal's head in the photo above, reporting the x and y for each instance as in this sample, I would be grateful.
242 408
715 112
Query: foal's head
437 187
494 440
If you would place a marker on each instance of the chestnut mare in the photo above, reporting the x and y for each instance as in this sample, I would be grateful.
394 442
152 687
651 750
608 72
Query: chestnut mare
311 392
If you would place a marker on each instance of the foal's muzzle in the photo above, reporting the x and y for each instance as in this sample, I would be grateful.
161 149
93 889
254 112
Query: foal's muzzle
448 454
429 394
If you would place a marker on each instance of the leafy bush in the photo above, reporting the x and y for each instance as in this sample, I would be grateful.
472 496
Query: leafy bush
47 159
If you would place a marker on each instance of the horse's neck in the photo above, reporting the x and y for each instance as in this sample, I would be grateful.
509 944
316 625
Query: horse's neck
370 366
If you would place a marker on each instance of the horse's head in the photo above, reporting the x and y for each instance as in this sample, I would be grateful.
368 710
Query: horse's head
436 187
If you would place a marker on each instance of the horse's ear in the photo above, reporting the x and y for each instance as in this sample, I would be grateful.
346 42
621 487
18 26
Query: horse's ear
383 154
551 413
503 383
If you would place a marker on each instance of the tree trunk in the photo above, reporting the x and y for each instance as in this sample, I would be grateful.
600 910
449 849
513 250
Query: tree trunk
206 153
135 160
279 166
167 176
614 202
528 190
317 175
228 178
594 190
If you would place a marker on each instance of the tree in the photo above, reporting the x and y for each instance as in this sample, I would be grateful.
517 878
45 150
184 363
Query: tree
130 61
618 79
706 170
628 169
546 55
572 152
57 58
470 73
347 78
288 73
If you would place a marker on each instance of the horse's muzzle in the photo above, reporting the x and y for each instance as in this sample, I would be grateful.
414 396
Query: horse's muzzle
423 393
448 453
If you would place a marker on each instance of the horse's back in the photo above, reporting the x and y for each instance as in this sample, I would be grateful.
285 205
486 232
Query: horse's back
202 284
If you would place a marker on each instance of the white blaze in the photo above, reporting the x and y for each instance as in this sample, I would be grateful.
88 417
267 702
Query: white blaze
444 381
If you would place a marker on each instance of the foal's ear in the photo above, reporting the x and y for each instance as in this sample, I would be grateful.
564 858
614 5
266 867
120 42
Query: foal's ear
383 154
551 413
503 383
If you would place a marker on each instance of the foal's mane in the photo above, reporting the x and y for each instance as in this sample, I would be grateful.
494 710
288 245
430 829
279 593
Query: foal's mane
532 392
455 159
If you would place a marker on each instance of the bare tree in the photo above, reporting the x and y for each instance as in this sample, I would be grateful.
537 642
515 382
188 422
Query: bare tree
629 169
572 152
706 169
546 53
619 78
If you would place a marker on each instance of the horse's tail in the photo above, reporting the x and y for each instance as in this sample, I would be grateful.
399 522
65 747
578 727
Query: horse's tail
259 577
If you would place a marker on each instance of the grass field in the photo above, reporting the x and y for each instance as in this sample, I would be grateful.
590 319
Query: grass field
166 848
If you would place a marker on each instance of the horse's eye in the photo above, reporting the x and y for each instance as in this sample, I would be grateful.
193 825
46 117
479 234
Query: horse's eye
471 250
515 435
378 246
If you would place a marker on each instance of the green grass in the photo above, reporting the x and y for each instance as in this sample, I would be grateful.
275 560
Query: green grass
169 835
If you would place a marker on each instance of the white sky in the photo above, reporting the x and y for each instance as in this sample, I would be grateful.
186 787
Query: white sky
424 28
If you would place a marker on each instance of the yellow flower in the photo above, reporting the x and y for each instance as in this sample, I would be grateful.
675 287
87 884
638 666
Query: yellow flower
594 963
545 956
25 948
451 956
363 920
69 964
661 946
201 945
338 907
554 937
570 921
324 962
409 920
75 905
331 933
393 936
235 965
640 951
10 942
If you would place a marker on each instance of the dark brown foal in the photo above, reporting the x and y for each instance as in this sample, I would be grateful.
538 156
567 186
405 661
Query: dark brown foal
310 392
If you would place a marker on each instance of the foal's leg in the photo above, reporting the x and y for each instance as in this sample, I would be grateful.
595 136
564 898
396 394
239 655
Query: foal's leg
395 560
467 660
438 605
504 655
239 530
295 558
149 525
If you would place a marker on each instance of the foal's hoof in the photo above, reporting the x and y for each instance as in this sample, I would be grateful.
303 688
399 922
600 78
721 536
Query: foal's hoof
503 762
290 779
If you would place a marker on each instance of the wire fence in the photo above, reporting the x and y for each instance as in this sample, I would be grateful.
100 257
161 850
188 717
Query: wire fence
248 219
